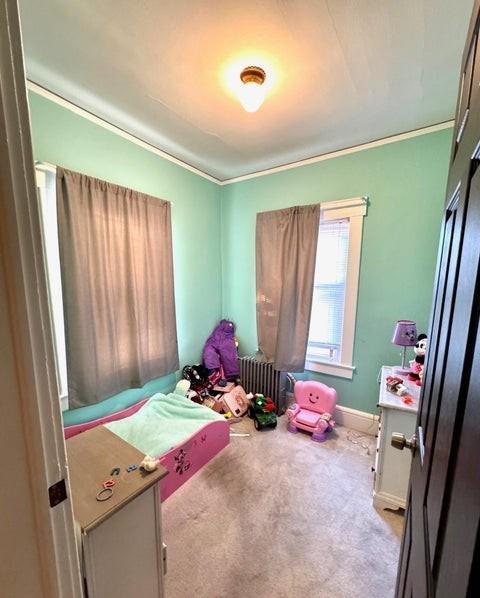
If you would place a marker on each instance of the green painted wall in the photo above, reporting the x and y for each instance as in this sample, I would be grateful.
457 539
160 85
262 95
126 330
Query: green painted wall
405 182
66 139
215 275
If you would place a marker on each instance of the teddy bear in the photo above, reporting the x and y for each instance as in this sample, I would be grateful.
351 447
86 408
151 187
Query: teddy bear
417 364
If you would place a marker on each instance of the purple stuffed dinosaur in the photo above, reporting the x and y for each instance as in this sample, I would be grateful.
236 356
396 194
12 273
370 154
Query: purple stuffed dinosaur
220 350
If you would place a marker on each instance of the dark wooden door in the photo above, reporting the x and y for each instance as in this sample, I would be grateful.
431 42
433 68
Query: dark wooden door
440 553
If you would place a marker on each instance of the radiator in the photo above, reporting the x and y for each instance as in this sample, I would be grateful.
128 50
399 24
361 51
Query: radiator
260 377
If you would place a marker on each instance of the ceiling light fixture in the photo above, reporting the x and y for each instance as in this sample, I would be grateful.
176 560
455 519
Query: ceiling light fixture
252 92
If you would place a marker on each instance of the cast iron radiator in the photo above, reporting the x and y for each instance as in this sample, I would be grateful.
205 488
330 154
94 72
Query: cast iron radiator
261 377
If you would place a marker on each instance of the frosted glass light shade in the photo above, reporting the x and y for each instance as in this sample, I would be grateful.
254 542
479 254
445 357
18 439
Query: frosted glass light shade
251 96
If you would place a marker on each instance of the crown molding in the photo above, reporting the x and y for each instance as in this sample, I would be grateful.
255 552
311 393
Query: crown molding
42 91
344 152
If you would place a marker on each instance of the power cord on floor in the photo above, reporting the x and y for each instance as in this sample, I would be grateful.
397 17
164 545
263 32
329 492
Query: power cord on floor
359 438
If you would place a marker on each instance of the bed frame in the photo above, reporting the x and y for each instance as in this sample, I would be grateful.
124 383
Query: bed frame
181 461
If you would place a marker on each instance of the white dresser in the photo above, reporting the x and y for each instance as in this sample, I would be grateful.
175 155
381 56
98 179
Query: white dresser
392 467
121 540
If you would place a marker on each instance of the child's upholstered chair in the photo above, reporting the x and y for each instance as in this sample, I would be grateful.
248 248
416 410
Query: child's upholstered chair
313 409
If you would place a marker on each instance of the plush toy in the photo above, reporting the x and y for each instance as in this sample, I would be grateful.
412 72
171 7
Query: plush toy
182 388
149 463
416 365
197 375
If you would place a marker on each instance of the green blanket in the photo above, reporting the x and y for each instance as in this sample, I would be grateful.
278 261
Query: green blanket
162 423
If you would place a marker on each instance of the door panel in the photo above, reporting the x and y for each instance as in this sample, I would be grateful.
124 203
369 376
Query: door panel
405 554
435 369
441 544
452 403
442 304
447 369
461 519
448 394
420 579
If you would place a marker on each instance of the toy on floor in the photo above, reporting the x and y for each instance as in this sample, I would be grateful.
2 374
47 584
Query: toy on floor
213 403
235 401
197 375
262 411
313 409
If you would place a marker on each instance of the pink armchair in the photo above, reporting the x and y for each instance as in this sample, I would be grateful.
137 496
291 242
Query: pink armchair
313 409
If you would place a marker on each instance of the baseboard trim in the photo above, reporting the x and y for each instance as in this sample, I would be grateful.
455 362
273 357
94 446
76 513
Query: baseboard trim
360 421
383 500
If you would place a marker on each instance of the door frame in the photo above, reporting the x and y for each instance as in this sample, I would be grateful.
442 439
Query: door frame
34 393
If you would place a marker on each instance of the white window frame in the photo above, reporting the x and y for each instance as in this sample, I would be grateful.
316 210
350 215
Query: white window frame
354 209
46 180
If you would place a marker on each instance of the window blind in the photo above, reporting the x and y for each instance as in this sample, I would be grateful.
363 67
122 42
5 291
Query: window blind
326 323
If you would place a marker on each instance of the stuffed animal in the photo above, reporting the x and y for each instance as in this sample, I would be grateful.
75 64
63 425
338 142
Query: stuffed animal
149 463
197 375
182 388
417 364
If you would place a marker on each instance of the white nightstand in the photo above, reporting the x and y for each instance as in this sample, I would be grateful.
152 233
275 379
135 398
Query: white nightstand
392 467
121 539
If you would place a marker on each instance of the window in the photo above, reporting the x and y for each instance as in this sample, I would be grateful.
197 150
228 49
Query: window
325 338
332 322
117 285
48 220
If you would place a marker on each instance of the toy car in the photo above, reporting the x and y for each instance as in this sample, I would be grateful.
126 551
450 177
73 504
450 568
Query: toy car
262 411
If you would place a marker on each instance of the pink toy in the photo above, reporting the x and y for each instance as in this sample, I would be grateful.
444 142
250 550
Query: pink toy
313 409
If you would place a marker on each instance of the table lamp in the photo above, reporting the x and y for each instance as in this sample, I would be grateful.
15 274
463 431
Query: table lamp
404 335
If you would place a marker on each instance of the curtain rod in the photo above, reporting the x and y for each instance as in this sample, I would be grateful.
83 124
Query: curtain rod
52 168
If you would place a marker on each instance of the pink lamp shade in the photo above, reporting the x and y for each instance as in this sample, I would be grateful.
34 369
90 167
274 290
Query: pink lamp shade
405 333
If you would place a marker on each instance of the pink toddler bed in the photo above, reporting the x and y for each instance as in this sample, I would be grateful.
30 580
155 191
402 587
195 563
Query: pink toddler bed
183 459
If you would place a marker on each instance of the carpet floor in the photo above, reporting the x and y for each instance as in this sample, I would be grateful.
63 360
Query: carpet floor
277 515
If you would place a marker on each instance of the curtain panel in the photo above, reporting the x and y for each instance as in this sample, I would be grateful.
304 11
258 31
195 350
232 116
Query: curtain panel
118 291
286 245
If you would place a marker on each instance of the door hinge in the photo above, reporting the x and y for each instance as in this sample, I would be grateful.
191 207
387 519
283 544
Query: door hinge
164 557
57 493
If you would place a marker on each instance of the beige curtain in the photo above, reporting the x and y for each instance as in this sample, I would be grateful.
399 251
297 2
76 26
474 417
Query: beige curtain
286 245
118 293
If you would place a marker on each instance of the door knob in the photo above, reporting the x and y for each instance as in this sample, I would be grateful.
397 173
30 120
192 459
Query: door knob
399 441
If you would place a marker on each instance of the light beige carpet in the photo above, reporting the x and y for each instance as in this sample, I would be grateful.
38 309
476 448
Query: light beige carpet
277 515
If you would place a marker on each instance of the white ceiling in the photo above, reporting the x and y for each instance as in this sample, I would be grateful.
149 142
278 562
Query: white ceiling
340 72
